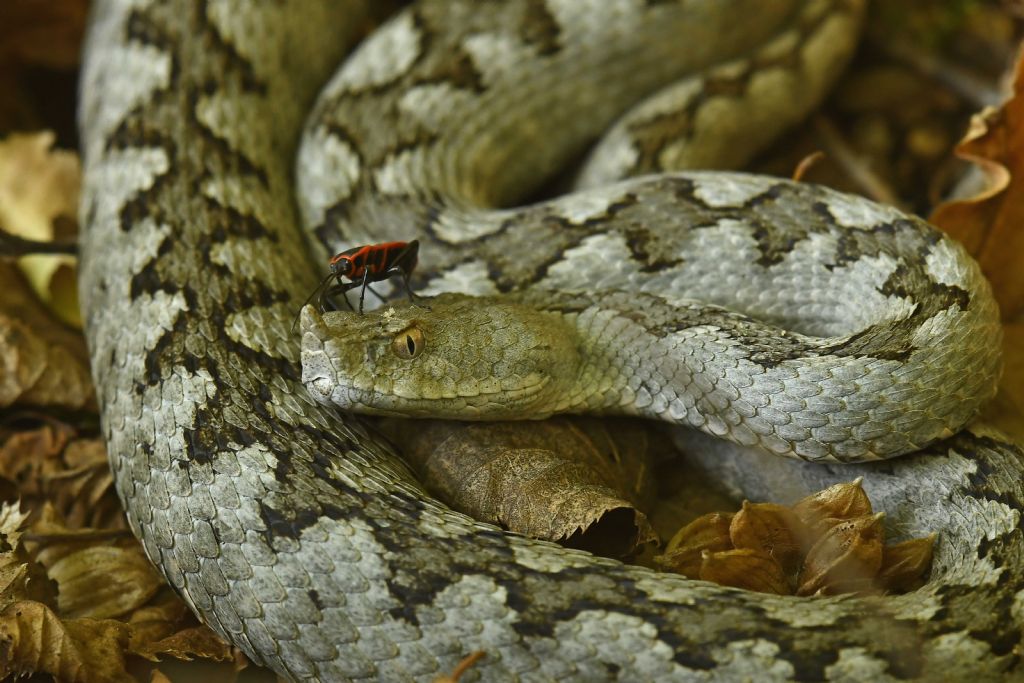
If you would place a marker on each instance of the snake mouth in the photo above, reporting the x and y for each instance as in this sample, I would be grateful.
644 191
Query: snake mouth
480 404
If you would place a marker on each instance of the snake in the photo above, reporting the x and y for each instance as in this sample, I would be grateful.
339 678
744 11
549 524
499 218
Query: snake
295 530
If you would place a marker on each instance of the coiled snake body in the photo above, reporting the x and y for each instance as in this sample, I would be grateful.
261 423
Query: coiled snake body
298 534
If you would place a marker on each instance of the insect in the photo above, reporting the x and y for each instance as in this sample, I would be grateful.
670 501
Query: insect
366 264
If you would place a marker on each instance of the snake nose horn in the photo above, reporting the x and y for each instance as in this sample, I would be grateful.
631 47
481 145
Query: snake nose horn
311 321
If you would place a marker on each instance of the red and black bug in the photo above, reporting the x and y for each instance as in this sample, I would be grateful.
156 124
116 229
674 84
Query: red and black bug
366 264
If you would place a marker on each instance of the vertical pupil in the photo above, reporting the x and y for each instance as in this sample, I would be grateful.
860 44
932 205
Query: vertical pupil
410 344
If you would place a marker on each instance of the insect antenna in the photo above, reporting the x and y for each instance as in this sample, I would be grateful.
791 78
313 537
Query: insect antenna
319 290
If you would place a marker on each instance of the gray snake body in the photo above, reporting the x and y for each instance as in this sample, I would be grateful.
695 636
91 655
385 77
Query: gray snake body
298 534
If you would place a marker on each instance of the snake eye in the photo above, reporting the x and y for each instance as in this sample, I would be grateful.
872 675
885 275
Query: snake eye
408 343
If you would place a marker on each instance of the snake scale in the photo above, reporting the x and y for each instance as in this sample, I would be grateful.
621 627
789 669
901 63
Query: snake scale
295 532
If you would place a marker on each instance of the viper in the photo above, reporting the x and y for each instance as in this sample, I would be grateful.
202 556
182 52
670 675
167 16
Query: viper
298 534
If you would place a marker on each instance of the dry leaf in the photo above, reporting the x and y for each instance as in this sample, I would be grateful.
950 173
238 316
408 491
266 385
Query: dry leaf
905 564
846 500
197 642
745 568
21 577
37 187
72 474
98 577
684 553
508 473
167 627
849 553
773 529
34 640
41 361
989 224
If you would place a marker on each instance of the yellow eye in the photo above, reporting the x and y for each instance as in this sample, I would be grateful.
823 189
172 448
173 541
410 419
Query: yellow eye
408 343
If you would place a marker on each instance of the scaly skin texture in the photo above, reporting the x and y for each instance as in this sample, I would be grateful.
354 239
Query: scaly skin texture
296 533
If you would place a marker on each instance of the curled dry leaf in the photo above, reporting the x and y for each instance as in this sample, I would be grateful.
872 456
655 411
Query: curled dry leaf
49 464
829 542
167 627
21 577
845 557
583 492
746 568
684 553
39 191
772 529
42 362
845 500
989 224
33 639
905 564
98 577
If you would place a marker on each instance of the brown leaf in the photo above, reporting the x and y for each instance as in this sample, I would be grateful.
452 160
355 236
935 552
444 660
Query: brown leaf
745 568
846 500
21 577
99 576
773 529
849 553
39 191
188 644
34 640
989 224
47 463
509 473
42 362
905 564
684 553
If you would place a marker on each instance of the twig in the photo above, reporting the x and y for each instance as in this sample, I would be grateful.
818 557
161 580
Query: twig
806 164
12 246
855 166
462 667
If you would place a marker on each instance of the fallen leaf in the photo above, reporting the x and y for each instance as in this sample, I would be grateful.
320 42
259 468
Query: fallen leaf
21 577
905 564
845 500
33 639
584 492
772 529
39 191
846 556
98 576
752 570
48 463
197 642
42 362
684 553
989 224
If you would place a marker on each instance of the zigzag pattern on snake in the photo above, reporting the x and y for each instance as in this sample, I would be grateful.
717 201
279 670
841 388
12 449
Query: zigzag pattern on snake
293 530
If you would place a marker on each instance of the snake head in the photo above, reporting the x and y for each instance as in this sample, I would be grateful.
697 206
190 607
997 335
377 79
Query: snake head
463 358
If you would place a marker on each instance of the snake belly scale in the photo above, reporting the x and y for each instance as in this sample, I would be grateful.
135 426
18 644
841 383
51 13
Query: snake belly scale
297 533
